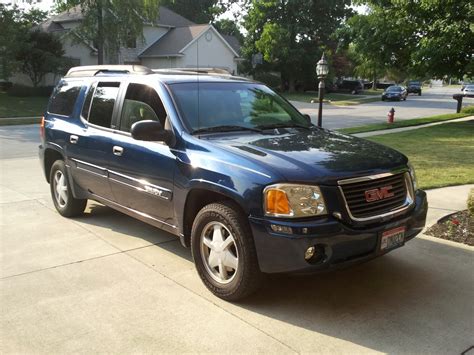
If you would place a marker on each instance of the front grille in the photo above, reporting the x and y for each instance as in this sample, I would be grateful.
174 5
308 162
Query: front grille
355 195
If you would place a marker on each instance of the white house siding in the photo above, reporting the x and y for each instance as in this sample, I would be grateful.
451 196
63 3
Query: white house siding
213 53
151 34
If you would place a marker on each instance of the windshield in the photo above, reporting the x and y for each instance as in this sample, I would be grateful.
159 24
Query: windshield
394 88
233 105
470 87
413 83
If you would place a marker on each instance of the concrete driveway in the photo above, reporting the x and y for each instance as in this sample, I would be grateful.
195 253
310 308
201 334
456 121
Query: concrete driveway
435 101
108 283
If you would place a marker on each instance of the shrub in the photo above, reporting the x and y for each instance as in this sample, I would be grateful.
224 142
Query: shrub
468 109
26 91
470 202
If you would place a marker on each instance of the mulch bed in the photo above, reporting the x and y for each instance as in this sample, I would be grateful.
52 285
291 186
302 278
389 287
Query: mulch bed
457 227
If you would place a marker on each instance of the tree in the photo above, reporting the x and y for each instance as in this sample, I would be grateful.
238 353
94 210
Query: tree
228 27
110 24
14 24
39 54
417 38
291 34
198 11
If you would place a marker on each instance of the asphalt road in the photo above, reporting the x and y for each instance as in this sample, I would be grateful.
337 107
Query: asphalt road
435 101
105 282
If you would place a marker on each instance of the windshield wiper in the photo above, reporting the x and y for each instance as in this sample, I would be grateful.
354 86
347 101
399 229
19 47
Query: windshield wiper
282 125
226 128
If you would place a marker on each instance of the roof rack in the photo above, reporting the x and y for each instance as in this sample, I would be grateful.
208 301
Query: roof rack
209 71
93 70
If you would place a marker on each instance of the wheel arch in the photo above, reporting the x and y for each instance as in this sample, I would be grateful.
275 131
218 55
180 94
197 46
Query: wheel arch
200 196
50 156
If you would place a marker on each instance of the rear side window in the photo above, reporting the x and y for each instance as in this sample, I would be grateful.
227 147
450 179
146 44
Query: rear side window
63 99
103 103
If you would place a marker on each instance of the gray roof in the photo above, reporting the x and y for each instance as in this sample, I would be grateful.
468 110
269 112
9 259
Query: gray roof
233 42
173 41
166 17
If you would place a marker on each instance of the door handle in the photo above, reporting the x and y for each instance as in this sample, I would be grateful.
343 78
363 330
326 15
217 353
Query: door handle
117 150
73 139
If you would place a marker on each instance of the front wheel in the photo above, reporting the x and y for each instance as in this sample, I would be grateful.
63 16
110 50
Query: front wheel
224 252
63 199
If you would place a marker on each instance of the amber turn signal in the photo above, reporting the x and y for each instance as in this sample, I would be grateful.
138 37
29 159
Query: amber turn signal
277 202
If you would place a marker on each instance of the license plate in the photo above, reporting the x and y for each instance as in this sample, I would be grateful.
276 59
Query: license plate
392 238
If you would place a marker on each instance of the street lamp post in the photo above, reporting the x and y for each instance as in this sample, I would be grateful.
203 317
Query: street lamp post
322 71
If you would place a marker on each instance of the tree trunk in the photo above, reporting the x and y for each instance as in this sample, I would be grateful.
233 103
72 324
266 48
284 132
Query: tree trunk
291 83
374 83
100 35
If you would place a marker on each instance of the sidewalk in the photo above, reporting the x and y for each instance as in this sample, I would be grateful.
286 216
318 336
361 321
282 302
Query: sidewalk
446 200
403 129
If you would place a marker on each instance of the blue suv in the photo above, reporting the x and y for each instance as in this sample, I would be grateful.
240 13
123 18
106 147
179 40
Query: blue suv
228 166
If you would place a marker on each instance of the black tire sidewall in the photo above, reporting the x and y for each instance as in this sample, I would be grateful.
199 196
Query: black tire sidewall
226 214
73 206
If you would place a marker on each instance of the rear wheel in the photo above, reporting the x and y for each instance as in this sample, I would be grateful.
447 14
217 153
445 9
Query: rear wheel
419 94
224 252
63 200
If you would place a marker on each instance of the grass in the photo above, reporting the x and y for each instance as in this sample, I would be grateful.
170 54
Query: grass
12 106
333 98
19 121
442 155
404 123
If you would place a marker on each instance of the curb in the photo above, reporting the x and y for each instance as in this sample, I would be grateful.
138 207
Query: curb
410 128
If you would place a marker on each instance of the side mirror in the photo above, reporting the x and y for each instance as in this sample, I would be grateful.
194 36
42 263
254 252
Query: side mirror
151 131
308 118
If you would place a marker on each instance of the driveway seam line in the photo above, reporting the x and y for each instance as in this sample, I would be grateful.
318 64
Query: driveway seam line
215 304
85 260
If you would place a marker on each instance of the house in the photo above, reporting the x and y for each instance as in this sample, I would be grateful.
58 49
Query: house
171 42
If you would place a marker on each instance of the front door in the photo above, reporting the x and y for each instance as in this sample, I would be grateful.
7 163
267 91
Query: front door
141 173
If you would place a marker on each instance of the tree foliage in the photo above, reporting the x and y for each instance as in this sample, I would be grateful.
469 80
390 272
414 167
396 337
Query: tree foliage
228 27
291 34
413 38
111 24
39 54
198 11
14 25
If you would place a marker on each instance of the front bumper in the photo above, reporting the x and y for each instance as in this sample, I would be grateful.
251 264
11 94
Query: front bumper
343 245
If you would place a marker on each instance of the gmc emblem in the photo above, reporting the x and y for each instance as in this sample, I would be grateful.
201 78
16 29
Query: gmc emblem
378 194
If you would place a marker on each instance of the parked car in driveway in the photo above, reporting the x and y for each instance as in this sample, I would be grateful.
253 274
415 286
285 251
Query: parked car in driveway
230 168
395 93
414 87
468 90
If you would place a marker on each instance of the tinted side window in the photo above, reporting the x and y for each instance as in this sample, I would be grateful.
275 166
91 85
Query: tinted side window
103 103
141 103
64 98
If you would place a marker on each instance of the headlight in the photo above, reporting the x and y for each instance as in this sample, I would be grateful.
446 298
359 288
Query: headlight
291 200
413 176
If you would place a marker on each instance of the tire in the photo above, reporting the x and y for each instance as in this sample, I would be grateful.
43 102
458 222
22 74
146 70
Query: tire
233 273
383 98
419 94
65 203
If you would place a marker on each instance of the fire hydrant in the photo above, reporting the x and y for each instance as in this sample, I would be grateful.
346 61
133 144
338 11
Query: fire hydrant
391 115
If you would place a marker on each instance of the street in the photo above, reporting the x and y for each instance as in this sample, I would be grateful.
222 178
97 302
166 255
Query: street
105 282
435 101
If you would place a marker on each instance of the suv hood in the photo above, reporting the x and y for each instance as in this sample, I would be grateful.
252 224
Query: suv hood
313 156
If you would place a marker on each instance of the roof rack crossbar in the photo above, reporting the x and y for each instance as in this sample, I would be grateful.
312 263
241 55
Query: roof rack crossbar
93 70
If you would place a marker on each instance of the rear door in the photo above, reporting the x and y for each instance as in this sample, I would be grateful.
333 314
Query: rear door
89 147
141 173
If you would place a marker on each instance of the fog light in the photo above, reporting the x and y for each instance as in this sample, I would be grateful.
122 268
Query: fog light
281 229
309 253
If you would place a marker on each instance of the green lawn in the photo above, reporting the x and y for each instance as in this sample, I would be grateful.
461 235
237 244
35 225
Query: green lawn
12 106
404 123
442 155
